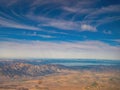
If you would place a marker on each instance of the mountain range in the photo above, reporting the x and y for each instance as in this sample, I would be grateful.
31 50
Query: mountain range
23 68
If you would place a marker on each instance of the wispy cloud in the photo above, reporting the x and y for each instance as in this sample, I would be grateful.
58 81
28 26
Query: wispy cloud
65 25
71 6
38 35
62 24
55 16
46 36
69 9
39 49
96 17
107 32
12 24
88 10
117 40
56 32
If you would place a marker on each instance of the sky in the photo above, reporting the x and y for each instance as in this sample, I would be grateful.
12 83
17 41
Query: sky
81 29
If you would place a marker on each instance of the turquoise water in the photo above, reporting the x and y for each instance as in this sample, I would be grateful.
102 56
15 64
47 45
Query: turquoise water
79 62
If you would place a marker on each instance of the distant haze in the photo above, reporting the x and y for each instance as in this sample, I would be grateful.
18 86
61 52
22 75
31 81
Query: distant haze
86 49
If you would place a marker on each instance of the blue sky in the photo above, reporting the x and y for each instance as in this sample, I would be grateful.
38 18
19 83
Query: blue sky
60 29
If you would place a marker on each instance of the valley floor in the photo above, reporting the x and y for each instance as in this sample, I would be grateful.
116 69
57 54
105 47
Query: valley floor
73 80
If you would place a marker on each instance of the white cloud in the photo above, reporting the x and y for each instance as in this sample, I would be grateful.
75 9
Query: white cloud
39 49
86 27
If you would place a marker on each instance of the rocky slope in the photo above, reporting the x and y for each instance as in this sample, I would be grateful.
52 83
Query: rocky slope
19 69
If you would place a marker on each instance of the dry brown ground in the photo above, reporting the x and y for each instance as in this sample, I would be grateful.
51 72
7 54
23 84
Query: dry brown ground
85 80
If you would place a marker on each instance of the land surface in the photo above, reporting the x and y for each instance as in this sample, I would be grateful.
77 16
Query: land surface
25 76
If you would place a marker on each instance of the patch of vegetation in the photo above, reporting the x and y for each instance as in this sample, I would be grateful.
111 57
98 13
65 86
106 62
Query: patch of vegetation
40 82
111 79
94 84
22 88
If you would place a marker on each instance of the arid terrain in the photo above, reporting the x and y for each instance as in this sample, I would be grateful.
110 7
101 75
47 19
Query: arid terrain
24 76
